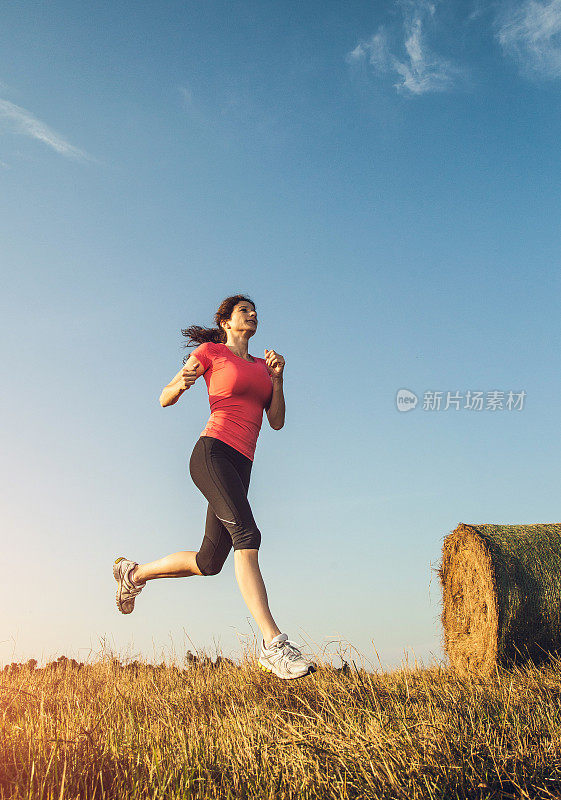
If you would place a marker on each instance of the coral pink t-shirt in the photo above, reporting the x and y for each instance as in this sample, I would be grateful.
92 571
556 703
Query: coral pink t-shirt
238 391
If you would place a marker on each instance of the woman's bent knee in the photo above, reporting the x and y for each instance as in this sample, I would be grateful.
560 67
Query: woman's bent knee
212 568
250 540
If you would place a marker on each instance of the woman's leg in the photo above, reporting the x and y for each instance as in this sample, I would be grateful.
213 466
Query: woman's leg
214 550
216 545
176 565
254 593
248 575
222 474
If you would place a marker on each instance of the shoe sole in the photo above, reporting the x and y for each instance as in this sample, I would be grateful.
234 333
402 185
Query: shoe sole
310 669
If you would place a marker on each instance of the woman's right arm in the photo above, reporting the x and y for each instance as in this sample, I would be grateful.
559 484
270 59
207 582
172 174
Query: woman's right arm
184 379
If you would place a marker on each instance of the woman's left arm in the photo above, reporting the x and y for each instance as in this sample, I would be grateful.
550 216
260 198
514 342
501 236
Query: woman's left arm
275 412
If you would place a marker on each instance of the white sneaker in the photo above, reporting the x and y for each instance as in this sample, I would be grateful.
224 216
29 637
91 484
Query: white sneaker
126 589
283 658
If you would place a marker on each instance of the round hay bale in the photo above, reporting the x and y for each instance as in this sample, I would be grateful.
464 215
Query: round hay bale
501 592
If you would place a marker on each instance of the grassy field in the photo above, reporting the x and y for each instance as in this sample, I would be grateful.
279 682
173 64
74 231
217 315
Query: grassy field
216 729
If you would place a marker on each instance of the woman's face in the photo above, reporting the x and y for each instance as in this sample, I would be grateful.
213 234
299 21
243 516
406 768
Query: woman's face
243 318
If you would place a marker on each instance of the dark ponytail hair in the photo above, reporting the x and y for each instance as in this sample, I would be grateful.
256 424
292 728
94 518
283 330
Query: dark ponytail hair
196 334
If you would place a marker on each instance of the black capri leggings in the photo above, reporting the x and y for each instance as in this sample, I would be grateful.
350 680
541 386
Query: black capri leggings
222 474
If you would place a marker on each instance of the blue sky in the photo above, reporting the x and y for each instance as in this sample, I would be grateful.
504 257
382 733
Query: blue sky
383 180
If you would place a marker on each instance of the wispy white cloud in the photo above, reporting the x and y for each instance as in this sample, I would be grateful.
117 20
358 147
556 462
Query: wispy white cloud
530 32
420 69
481 8
24 122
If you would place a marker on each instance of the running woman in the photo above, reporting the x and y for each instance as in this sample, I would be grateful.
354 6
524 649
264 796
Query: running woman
239 387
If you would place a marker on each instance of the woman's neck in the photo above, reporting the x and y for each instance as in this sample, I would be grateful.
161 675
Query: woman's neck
238 346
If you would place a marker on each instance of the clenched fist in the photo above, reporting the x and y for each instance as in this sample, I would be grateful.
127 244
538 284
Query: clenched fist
188 376
275 363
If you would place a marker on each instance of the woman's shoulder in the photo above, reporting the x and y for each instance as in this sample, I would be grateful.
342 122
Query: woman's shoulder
207 348
207 353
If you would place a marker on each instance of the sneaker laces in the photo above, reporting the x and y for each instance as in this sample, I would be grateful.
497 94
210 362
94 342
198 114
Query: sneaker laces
287 650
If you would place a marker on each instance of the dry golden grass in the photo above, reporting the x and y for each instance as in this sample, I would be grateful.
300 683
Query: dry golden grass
225 730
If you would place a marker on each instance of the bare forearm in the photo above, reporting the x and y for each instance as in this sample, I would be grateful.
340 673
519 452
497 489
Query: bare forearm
277 407
171 393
